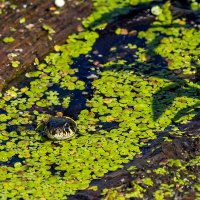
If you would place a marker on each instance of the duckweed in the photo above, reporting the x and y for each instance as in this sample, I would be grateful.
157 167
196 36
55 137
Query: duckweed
15 64
50 30
130 104
168 179
106 10
8 40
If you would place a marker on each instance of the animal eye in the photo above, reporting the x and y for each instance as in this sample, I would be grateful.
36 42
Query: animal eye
66 125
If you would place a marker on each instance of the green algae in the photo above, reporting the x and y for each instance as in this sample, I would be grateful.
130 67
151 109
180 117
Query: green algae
123 95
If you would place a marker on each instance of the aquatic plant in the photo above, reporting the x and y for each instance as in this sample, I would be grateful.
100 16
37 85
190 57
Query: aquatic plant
119 117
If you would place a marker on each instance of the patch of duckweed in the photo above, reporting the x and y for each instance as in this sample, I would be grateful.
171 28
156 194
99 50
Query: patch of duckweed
176 43
104 11
195 5
176 178
34 167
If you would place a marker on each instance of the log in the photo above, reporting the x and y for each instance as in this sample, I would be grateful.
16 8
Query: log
31 40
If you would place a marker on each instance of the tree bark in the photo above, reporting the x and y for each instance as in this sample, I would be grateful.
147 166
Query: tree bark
31 40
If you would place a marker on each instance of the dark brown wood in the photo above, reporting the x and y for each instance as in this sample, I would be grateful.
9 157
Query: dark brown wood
30 39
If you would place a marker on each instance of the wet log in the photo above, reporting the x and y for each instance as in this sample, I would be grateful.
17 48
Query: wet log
26 25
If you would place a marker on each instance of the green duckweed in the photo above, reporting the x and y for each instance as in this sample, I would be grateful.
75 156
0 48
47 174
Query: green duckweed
125 94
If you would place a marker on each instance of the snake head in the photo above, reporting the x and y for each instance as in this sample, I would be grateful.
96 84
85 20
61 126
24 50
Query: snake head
60 128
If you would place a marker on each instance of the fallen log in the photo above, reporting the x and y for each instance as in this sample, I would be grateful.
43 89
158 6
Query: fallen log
32 29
